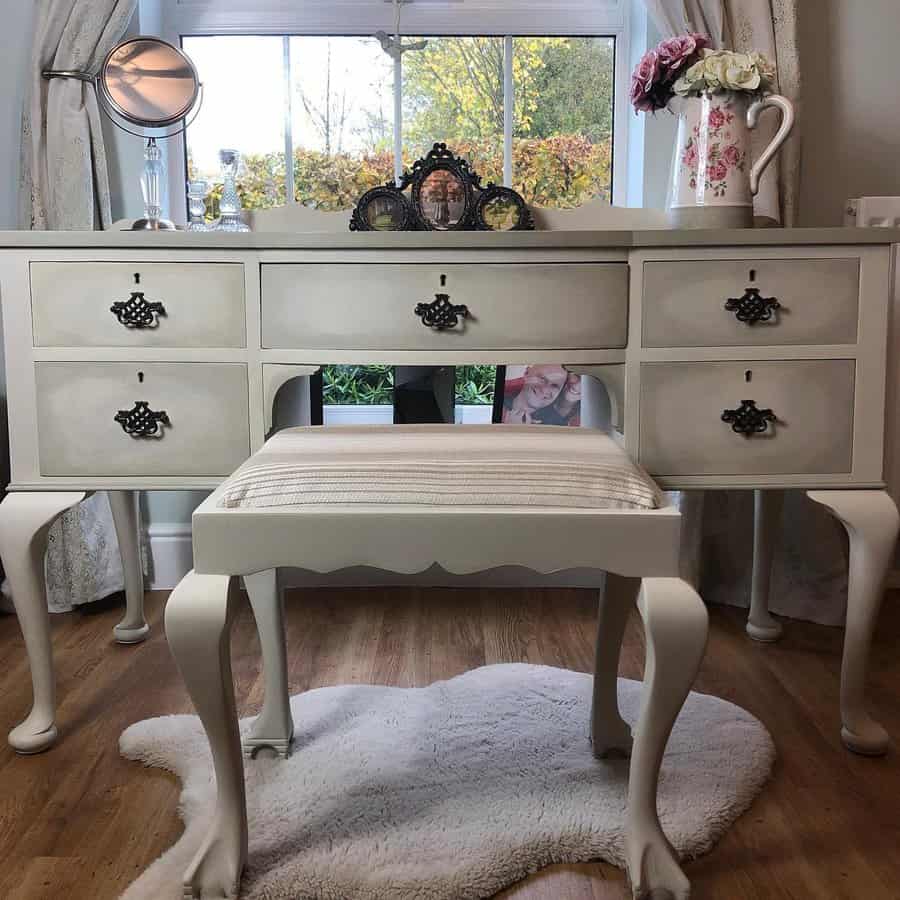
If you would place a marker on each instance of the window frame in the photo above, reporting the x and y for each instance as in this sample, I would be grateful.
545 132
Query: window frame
178 19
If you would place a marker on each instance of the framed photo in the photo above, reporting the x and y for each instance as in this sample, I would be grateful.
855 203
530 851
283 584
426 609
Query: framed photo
537 395
446 194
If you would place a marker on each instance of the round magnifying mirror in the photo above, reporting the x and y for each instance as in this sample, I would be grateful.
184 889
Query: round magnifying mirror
149 82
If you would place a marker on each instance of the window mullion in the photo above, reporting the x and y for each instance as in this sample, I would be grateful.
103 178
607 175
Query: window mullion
509 108
290 195
398 117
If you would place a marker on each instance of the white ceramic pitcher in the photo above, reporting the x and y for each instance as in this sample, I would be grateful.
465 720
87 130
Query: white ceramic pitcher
713 182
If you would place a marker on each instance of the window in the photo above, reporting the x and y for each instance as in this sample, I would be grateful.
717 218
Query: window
527 107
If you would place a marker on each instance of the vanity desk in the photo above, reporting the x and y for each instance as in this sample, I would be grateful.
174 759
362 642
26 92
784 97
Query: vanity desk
732 359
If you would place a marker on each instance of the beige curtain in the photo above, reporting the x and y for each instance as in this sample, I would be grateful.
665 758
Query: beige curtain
65 186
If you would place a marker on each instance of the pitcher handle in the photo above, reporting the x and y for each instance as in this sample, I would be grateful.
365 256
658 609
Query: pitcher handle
787 125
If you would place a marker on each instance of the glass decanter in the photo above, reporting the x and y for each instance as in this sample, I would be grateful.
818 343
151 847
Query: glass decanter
196 192
230 202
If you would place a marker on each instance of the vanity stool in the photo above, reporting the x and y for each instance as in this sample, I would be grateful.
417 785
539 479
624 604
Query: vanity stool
467 498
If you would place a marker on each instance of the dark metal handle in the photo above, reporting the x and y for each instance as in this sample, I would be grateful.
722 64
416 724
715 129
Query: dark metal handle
441 314
748 419
752 308
141 421
137 312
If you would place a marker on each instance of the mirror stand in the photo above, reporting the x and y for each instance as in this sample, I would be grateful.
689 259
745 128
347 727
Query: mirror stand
151 187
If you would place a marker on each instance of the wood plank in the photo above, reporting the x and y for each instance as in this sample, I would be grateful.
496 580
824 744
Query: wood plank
82 822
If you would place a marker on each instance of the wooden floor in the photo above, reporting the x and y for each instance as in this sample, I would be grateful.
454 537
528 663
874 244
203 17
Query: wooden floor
80 823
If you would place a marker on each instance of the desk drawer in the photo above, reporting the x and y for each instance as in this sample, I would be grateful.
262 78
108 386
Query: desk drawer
682 431
342 307
206 406
684 302
71 304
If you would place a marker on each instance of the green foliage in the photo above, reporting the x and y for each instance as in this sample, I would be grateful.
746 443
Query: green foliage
453 92
358 385
475 385
374 385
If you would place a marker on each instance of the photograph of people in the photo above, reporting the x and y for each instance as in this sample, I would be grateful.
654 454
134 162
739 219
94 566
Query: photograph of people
541 395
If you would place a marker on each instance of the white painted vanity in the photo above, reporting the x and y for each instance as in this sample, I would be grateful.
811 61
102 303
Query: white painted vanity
151 362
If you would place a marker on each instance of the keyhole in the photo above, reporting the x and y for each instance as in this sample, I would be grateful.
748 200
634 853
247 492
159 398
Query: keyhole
752 275
137 277
748 376
140 377
443 281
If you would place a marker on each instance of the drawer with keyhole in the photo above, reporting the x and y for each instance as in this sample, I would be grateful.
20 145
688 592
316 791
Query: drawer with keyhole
138 304
142 419
752 303
773 417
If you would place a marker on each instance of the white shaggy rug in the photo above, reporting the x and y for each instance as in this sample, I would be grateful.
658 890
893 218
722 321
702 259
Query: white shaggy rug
450 792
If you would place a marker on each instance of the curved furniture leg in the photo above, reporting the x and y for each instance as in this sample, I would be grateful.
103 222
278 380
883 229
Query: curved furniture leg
133 628
871 521
610 733
25 519
767 507
198 627
676 624
274 726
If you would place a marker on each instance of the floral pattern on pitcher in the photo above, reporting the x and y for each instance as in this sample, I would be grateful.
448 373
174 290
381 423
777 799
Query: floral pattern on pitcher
725 153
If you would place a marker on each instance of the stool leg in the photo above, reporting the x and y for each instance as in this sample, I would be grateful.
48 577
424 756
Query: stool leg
274 726
198 627
610 733
676 626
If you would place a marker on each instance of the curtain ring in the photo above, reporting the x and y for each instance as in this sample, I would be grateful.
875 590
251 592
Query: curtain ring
66 73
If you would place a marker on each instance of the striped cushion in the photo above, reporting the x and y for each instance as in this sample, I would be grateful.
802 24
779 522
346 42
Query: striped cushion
441 465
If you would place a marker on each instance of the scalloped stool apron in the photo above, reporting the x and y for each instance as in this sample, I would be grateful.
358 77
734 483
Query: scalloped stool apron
469 498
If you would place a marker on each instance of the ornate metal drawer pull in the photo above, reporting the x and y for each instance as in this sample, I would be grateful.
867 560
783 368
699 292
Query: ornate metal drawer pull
441 314
137 312
142 422
748 419
752 308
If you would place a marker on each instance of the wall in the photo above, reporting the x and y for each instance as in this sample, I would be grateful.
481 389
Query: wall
850 120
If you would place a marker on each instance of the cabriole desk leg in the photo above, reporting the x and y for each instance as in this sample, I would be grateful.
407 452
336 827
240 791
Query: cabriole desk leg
25 520
133 628
872 524
767 507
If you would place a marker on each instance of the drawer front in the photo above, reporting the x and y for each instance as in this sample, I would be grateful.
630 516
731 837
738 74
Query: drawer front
684 302
682 431
342 307
203 303
206 406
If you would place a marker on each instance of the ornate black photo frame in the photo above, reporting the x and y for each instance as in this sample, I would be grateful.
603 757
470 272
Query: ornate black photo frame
446 195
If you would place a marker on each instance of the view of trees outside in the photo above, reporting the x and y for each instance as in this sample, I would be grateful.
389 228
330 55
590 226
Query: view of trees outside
341 98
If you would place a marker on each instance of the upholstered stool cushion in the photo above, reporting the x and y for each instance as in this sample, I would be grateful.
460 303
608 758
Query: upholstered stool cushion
441 465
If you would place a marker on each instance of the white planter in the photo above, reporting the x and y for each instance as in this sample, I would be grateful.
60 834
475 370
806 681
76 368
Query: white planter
384 415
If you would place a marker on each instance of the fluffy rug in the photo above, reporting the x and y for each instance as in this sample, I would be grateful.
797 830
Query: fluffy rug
452 791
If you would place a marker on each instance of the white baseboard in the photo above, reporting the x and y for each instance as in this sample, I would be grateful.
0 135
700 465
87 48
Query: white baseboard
171 554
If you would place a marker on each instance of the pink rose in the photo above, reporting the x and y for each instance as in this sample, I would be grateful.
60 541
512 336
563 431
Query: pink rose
717 171
690 156
716 118
647 70
675 53
645 96
732 155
